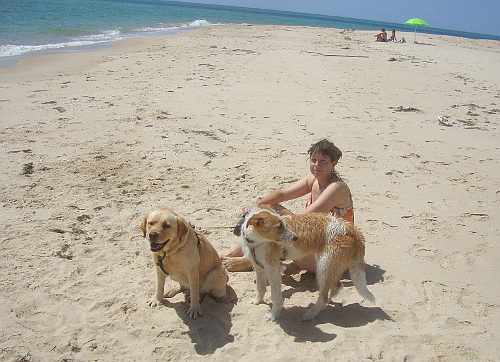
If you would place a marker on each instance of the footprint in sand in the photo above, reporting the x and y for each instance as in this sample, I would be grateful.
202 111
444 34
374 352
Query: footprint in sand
451 260
476 215
461 258
423 252
431 290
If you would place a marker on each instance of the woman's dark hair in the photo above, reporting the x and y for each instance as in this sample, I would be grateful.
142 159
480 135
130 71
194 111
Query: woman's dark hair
326 148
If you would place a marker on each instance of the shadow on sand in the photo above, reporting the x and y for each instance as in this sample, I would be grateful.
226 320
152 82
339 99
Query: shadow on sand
349 316
419 43
307 281
352 315
212 330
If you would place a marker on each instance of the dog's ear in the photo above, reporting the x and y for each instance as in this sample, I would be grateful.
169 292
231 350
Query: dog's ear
182 228
256 220
143 225
279 225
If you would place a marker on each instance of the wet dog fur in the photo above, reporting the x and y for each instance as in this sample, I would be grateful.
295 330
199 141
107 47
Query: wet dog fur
186 255
337 244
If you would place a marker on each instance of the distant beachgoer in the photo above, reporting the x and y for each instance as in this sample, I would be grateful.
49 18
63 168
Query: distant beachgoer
382 36
393 35
328 193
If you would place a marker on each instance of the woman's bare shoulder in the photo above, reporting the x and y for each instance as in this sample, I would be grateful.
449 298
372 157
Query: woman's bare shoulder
339 186
309 179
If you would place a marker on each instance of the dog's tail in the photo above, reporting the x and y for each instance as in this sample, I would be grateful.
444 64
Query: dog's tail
358 277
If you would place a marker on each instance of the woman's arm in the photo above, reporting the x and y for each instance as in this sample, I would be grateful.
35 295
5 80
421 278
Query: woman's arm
336 194
297 189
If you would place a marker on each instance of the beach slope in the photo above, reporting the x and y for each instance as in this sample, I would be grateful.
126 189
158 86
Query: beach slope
205 123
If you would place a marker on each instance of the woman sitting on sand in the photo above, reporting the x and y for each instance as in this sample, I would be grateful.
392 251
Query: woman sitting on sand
382 36
328 193
393 35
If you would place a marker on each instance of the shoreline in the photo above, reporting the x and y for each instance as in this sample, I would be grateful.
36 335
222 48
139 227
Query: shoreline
206 122
12 60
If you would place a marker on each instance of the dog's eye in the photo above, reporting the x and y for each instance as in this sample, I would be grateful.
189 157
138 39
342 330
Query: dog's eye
165 225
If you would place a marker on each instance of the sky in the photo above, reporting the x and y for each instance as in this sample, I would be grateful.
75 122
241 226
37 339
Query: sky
475 16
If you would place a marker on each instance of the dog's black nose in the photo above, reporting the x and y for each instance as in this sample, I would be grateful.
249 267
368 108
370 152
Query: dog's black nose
153 236
237 228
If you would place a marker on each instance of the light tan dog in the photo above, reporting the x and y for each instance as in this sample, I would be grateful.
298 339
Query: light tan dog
337 244
184 254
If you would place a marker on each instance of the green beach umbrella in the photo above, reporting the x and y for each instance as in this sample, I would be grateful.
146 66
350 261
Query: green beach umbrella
416 22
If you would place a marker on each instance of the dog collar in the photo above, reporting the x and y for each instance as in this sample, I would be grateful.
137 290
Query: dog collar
250 243
159 263
252 251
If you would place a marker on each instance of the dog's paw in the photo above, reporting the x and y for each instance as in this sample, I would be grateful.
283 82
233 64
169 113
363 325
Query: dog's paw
153 302
194 311
172 292
272 316
255 301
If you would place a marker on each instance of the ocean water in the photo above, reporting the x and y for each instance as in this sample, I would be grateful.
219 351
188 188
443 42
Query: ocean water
30 27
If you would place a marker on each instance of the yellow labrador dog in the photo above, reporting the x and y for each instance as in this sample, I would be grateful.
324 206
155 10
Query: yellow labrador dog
186 255
338 245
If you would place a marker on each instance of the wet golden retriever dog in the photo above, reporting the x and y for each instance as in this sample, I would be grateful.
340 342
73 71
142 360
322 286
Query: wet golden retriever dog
337 244
186 256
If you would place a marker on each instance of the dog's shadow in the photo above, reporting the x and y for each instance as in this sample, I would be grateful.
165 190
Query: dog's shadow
307 280
374 274
352 315
212 330
291 324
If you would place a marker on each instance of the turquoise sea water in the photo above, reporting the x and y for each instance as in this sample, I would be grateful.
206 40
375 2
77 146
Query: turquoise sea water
28 26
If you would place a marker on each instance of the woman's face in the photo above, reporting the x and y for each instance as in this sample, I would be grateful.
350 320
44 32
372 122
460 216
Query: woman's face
320 164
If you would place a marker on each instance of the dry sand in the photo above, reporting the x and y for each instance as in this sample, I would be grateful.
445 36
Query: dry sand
207 121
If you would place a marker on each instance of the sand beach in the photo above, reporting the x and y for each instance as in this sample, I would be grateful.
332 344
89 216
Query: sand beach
206 122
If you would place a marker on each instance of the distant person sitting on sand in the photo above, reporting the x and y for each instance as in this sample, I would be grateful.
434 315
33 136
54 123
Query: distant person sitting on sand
328 193
382 36
393 35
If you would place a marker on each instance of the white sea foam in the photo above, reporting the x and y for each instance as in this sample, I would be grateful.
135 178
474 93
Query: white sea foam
86 40
109 35
13 50
169 29
200 22
193 24
106 36
149 29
